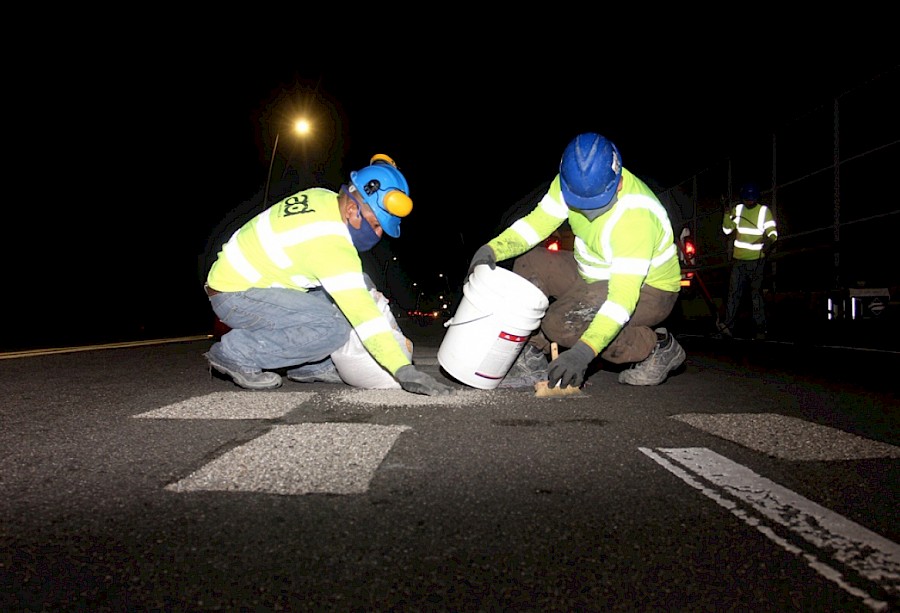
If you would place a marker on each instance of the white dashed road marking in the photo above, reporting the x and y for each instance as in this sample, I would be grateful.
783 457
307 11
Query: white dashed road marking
321 458
788 437
232 405
831 535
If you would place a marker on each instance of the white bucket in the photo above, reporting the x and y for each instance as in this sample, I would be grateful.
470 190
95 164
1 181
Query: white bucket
497 314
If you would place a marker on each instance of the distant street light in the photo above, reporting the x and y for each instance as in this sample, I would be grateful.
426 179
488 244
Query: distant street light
302 127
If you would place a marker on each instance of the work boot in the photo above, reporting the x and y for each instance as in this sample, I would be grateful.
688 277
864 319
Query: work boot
724 331
313 373
529 368
248 377
666 357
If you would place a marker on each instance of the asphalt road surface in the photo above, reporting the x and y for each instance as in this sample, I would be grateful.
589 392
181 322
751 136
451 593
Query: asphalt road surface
762 477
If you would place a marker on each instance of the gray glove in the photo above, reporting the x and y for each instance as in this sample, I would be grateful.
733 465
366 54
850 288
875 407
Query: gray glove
417 382
484 255
569 368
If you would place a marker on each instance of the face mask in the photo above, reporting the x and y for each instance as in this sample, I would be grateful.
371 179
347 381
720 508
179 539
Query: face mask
365 238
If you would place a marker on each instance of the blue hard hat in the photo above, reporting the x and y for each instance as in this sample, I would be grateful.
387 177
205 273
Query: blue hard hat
385 190
750 192
589 171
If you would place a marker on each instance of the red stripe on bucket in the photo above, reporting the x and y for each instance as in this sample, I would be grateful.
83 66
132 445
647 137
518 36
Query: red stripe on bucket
484 376
512 337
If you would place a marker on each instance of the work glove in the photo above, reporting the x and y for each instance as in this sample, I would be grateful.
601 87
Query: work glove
569 368
417 382
369 283
484 255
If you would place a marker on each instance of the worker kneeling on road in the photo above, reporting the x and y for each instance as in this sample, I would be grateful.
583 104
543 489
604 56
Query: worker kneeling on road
290 285
621 280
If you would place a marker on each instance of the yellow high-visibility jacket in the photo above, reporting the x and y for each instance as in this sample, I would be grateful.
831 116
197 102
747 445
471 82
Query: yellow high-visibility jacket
753 227
302 243
629 245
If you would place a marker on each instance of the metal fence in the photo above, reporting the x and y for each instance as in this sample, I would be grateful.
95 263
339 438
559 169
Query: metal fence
829 177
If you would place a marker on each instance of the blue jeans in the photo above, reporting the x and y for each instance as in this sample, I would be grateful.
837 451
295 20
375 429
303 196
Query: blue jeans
278 328
746 274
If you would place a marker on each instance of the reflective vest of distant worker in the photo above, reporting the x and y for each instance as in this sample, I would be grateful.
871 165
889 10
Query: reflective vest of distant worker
755 232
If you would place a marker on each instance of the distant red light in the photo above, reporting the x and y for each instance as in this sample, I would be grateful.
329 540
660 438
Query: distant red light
553 246
689 249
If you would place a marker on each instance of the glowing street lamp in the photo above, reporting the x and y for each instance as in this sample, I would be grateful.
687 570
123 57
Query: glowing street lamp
302 127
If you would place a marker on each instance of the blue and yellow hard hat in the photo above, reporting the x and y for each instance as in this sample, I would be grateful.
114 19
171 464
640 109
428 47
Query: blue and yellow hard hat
384 188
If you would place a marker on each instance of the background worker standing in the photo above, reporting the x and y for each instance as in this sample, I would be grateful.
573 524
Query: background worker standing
621 281
290 285
755 233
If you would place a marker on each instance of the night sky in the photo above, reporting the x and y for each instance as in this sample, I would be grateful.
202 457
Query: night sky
129 168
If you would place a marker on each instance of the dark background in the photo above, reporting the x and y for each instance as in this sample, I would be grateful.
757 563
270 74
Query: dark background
132 158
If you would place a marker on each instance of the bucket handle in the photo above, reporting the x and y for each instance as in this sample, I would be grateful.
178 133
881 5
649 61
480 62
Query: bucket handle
450 321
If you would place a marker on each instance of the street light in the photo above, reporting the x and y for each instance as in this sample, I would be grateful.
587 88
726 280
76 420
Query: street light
302 127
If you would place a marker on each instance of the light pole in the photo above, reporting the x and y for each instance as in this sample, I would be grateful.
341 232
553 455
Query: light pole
446 298
301 127
384 284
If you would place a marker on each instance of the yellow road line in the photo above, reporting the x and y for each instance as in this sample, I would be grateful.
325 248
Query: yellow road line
162 341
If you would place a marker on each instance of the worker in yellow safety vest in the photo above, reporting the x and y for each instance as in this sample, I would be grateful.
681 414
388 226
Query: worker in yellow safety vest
755 232
611 293
290 285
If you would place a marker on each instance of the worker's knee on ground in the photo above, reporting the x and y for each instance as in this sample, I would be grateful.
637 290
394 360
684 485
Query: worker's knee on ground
633 344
